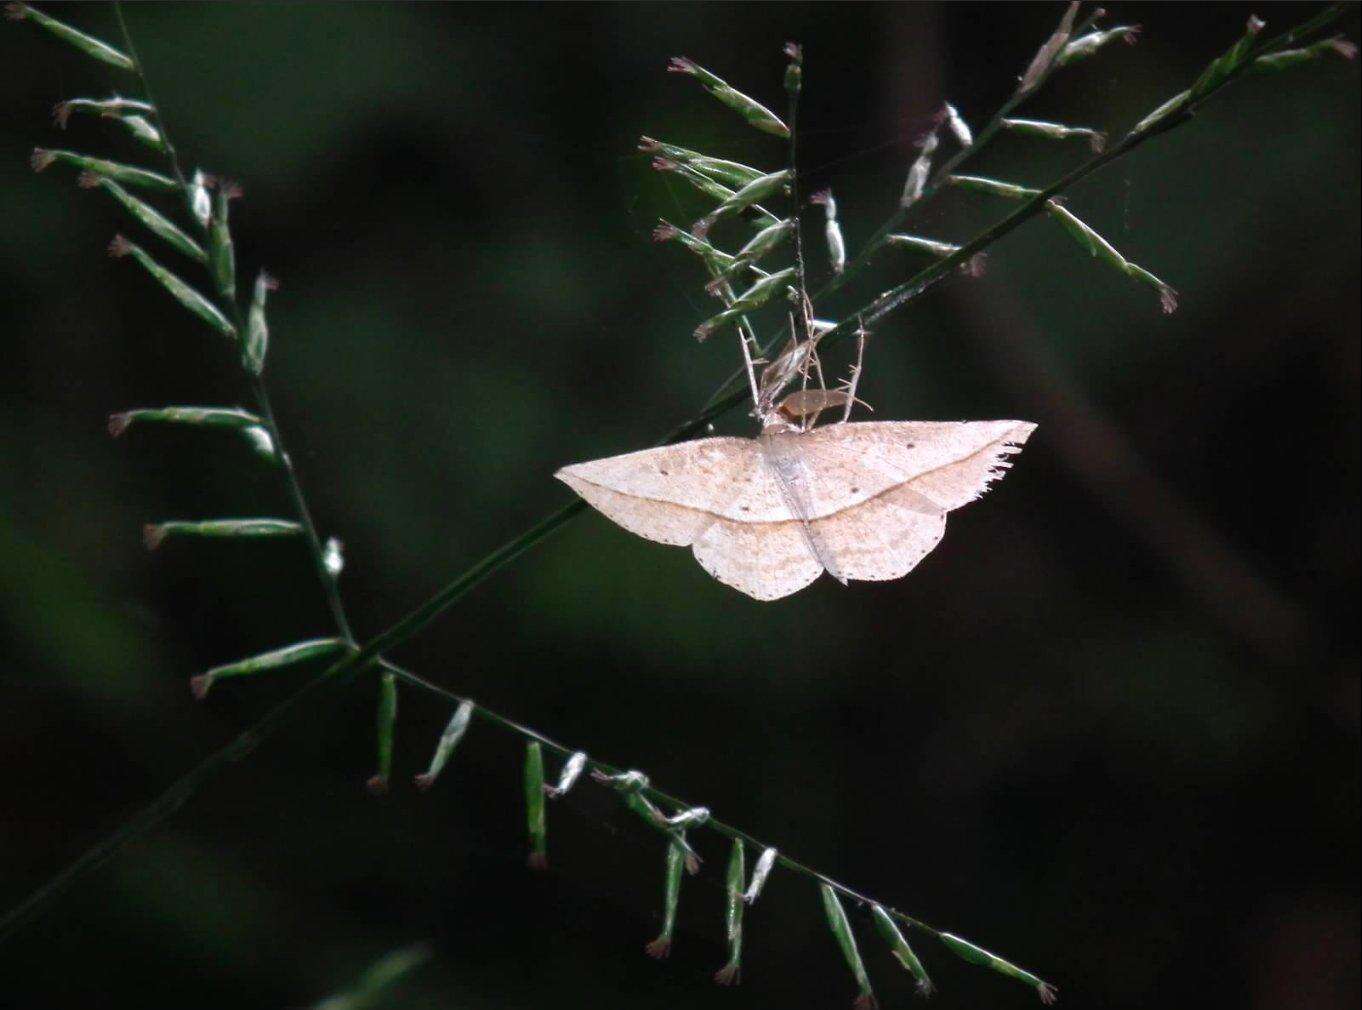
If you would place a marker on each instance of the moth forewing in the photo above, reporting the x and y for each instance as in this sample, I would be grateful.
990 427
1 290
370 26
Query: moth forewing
698 475
660 522
948 463
973 459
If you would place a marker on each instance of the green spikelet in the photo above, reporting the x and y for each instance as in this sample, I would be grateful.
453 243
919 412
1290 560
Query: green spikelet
756 114
975 954
385 725
449 739
87 44
734 885
846 940
898 946
661 946
182 292
535 817
268 662
152 219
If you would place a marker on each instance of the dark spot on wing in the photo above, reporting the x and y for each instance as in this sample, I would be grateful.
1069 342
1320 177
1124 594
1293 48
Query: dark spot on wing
855 490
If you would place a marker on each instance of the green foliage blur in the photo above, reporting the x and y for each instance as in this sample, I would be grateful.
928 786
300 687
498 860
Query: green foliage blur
1108 729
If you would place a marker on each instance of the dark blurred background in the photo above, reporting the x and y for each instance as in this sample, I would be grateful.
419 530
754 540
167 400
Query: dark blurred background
1109 728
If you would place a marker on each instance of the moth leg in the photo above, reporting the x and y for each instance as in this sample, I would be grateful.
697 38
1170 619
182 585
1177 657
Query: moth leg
743 337
749 364
806 360
802 352
854 379
777 375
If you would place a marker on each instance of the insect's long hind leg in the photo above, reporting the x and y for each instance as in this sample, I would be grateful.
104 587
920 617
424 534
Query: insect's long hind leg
861 334
751 371
743 337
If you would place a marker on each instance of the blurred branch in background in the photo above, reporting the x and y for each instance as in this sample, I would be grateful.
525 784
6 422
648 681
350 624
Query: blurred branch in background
1098 454
372 989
